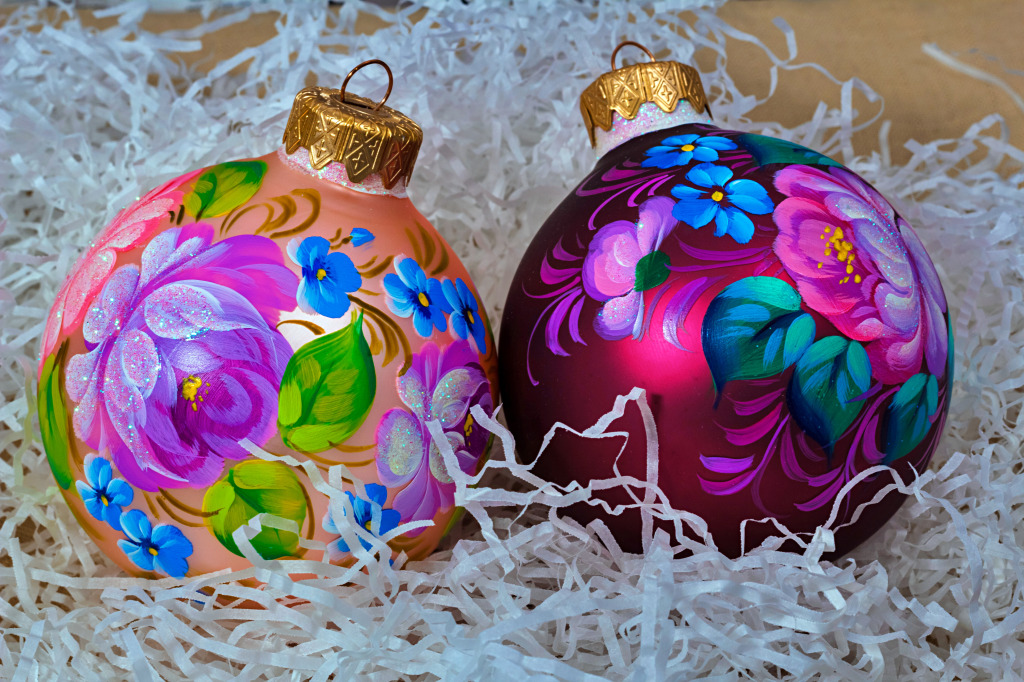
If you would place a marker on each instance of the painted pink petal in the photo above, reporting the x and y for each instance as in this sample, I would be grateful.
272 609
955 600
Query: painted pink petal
450 402
609 269
109 313
655 223
86 281
422 499
413 392
619 317
400 447
129 228
801 246
139 360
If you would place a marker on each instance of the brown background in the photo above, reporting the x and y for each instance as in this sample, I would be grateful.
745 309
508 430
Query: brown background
878 41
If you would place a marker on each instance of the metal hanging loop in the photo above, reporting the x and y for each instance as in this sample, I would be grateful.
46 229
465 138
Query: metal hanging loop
391 80
623 44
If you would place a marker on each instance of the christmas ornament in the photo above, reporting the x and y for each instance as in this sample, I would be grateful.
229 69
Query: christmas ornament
296 303
785 321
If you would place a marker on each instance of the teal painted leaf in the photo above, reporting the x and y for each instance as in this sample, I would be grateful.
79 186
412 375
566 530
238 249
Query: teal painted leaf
54 424
908 419
826 388
754 328
651 270
766 150
224 187
327 390
254 487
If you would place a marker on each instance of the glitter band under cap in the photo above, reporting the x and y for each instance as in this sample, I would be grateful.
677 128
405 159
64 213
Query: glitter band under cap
335 172
648 119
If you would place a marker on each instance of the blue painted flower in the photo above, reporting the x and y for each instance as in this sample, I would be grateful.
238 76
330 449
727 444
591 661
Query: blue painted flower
679 150
164 548
466 318
363 515
411 292
361 236
327 278
104 496
720 198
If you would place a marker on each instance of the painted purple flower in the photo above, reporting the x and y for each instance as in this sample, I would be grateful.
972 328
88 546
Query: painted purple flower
623 262
183 357
441 385
863 268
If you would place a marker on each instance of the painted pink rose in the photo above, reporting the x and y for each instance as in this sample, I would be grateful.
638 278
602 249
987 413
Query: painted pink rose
183 359
862 267
622 254
132 226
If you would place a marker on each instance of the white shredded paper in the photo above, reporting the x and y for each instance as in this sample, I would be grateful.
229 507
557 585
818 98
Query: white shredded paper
89 118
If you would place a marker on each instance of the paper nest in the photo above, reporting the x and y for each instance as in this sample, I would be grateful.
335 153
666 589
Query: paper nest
90 119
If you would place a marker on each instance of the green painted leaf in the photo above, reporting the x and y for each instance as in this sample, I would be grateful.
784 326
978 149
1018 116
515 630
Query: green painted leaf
224 187
766 150
651 270
327 390
754 328
908 419
826 388
255 487
54 424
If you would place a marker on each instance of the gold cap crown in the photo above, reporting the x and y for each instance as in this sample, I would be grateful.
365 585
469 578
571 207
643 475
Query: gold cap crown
622 91
366 137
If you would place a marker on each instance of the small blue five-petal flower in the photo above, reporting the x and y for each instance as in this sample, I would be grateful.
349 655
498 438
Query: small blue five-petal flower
411 292
164 548
466 317
679 150
104 496
716 196
363 515
327 278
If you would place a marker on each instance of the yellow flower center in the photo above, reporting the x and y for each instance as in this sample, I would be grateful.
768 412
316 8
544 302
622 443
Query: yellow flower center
367 525
104 500
717 196
190 390
836 242
424 300
469 317
152 550
468 429
687 148
320 274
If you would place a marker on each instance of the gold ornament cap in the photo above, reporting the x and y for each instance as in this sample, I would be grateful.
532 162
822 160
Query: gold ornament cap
365 136
622 91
